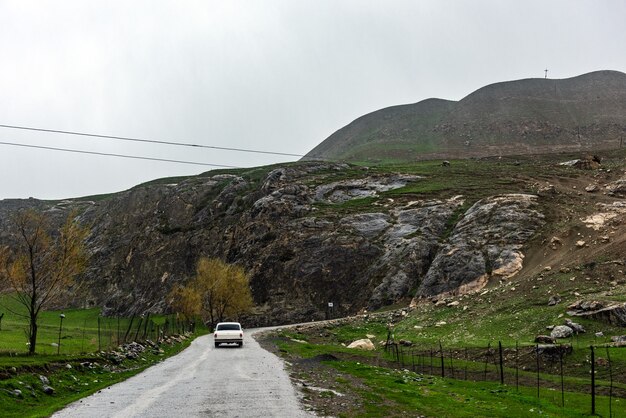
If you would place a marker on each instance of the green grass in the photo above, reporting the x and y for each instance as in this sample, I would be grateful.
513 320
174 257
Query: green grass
79 344
79 333
70 384
393 392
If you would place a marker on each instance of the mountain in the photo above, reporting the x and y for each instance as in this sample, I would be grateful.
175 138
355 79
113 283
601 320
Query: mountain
529 116
311 233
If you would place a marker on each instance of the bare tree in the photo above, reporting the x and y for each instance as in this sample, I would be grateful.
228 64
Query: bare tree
40 266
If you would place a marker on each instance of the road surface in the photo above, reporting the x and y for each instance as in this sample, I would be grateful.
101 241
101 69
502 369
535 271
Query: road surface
202 381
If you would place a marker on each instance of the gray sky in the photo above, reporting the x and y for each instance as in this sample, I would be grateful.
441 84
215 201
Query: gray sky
271 75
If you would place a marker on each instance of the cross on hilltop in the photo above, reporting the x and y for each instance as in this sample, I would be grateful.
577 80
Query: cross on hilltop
546 70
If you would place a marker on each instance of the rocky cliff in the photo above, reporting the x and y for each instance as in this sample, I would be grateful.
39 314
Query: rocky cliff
314 233
309 234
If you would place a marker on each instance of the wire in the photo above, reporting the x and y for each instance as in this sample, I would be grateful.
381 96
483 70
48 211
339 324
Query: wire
152 141
136 157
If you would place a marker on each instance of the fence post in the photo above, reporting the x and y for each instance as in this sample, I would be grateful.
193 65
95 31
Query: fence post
517 365
130 326
593 381
608 357
487 360
452 363
562 384
99 345
501 363
537 356
431 360
466 360
443 365
138 329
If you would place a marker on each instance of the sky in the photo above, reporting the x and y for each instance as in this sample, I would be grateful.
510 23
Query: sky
271 75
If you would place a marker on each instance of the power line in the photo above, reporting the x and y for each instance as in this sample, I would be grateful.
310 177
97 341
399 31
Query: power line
152 141
135 157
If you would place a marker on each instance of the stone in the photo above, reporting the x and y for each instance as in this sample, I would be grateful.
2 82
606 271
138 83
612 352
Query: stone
544 339
17 393
453 303
561 331
580 243
578 329
619 339
44 380
441 323
405 343
592 188
363 344
48 390
599 334
554 299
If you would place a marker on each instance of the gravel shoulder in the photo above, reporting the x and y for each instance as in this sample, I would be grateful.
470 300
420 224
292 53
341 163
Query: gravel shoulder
200 381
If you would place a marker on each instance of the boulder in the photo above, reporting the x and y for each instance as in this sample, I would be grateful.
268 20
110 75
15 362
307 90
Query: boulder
578 329
544 339
610 313
364 344
561 331
554 299
619 339
554 350
48 390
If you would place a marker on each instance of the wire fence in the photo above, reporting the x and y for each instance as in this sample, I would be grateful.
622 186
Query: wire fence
600 372
90 334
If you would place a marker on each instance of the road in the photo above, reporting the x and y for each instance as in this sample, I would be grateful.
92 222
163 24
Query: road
202 381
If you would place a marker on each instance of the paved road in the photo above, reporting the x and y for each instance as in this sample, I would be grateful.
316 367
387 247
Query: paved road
202 381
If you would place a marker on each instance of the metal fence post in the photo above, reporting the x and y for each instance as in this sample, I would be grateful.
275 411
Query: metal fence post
593 381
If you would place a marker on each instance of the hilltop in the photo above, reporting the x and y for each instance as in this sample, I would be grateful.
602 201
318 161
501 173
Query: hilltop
530 116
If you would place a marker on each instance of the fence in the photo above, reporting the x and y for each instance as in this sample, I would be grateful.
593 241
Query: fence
114 331
80 333
600 372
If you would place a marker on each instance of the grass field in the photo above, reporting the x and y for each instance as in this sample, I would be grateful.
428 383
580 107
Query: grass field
21 390
79 332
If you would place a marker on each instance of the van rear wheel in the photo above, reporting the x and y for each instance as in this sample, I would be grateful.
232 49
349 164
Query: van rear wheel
217 345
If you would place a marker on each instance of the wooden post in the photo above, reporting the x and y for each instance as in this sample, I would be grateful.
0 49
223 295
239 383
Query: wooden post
443 365
593 382
501 363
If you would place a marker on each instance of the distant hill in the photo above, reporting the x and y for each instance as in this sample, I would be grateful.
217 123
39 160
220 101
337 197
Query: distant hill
527 116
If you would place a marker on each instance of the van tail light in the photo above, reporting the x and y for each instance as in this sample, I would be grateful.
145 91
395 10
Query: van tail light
241 335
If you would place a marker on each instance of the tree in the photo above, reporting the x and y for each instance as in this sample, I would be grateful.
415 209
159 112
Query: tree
40 266
222 289
186 301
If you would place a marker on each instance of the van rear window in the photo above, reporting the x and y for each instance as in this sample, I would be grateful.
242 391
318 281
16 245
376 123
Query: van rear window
228 327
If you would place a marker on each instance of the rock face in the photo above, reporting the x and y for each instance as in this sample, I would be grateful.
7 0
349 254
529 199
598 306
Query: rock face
485 243
309 234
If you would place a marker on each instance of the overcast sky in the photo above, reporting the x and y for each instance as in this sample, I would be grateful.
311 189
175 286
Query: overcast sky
265 74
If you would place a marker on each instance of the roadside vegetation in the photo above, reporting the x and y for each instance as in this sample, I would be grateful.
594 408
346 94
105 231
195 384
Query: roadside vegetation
84 362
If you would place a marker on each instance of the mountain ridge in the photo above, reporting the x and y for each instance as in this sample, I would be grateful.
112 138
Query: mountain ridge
526 116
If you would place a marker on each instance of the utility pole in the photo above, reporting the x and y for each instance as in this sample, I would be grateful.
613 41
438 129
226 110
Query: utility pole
546 71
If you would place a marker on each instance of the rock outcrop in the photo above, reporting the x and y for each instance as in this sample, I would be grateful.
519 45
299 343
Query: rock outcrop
486 243
308 234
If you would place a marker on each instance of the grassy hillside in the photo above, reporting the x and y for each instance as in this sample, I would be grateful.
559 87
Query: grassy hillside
516 117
